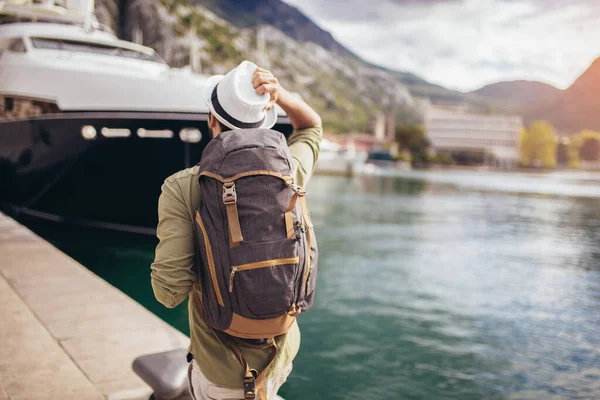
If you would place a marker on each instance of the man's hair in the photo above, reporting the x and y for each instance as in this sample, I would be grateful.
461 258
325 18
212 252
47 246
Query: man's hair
223 127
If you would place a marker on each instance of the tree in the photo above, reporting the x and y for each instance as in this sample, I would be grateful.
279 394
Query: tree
443 159
524 146
538 145
412 137
562 153
589 145
573 154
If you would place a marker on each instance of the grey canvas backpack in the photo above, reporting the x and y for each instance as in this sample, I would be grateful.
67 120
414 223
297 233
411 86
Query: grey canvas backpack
258 251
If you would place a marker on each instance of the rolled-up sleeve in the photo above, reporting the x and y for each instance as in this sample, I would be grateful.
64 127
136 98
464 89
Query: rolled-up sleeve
305 145
172 273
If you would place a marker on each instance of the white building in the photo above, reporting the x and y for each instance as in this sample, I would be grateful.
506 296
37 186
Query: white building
457 130
377 125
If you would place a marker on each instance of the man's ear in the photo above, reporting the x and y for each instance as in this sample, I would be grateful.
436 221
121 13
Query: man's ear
213 126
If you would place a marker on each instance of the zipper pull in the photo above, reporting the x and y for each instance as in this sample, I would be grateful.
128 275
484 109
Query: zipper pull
231 276
298 228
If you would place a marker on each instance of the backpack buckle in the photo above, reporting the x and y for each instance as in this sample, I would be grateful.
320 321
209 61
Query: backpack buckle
229 194
294 310
297 189
249 387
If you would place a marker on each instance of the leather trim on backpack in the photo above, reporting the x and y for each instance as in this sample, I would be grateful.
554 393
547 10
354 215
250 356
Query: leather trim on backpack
259 328
259 264
266 264
211 260
308 224
285 178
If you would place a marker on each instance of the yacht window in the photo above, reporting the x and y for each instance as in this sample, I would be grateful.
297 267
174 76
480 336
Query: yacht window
96 48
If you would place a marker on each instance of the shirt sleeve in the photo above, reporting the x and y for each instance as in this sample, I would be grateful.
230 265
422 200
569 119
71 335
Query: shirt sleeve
172 273
305 145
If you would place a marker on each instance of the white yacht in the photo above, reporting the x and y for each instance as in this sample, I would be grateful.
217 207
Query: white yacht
90 125
335 159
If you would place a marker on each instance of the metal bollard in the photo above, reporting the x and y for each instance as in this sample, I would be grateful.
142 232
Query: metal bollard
165 373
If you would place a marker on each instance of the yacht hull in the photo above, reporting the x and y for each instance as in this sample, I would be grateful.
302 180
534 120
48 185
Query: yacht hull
47 168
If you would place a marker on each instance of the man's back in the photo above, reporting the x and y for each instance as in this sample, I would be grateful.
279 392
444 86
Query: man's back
172 284
245 98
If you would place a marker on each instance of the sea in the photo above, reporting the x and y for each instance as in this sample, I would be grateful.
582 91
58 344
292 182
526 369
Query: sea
431 285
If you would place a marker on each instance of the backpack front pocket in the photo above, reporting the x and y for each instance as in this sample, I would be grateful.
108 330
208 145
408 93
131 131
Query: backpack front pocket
263 276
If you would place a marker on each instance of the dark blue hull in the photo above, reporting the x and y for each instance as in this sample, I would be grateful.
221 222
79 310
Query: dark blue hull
47 168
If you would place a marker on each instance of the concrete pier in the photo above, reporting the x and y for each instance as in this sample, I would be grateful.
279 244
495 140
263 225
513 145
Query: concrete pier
64 332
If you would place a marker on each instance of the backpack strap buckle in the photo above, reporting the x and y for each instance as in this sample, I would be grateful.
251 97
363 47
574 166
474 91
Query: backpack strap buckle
229 194
249 387
297 189
289 220
233 219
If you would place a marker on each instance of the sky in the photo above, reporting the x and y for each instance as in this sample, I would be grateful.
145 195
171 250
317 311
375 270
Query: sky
465 44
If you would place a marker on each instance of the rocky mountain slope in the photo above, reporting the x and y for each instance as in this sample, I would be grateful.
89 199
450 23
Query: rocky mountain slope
344 89
519 94
276 13
577 107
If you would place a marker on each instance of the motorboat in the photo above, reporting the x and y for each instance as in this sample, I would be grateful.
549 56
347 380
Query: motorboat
380 162
90 125
335 159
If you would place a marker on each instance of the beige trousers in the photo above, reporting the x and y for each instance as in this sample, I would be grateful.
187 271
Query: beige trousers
203 389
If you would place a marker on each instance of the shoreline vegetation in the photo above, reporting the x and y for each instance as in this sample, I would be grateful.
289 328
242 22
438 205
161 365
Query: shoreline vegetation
540 149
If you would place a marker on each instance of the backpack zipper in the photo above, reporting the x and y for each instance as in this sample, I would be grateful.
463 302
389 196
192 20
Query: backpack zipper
211 260
260 264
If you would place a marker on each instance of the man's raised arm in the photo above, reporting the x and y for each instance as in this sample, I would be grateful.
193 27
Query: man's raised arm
301 115
305 143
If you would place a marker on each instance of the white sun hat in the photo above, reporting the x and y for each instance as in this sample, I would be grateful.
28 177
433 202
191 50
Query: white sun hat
233 100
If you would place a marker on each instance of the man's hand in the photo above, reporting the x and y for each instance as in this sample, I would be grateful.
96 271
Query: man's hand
301 115
265 82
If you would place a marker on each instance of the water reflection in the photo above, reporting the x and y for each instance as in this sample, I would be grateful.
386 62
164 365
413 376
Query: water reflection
429 291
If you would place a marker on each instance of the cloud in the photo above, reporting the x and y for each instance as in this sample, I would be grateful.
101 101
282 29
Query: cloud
465 44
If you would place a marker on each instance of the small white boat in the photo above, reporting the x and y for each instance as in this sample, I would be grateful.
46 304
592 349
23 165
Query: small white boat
337 160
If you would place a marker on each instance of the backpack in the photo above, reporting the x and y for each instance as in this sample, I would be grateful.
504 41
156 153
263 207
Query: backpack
257 248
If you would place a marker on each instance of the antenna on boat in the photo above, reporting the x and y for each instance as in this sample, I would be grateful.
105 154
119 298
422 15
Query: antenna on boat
261 47
88 13
195 63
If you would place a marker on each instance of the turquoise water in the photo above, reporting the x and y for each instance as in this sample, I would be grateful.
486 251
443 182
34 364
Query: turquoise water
455 285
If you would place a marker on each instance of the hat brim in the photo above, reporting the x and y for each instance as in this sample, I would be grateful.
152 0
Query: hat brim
207 89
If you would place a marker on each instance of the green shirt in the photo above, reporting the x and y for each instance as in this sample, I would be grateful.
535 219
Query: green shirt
173 276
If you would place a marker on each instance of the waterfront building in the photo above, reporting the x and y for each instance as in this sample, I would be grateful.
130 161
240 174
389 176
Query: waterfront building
377 125
457 130
390 127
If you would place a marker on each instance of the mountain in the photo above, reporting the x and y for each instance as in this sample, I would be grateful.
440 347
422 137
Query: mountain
307 59
276 13
345 90
292 22
577 107
519 94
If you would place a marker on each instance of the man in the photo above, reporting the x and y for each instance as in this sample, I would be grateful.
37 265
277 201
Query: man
215 372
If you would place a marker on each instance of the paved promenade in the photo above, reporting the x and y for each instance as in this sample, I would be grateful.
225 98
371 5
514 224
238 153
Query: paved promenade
64 332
